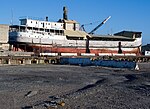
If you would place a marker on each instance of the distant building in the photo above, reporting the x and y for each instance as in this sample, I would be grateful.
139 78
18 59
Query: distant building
146 49
4 33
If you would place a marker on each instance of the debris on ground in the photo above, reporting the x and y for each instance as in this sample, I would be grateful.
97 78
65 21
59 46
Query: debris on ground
31 93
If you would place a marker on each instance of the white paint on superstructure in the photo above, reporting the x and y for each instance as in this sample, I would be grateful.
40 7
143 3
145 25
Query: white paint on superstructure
41 24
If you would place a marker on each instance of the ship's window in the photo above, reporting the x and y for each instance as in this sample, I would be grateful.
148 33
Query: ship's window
137 35
52 31
57 32
31 21
61 32
35 29
55 24
46 30
22 29
29 28
36 22
41 29
23 22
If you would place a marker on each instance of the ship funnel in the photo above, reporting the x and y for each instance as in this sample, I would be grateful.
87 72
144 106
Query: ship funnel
46 18
65 13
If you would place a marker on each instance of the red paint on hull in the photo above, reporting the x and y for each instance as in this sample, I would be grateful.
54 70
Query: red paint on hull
50 49
95 51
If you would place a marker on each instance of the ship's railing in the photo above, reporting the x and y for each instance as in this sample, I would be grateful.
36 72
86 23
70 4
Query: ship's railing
45 32
17 28
35 18
30 17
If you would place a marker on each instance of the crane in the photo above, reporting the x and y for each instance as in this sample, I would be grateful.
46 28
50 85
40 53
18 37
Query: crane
92 32
82 26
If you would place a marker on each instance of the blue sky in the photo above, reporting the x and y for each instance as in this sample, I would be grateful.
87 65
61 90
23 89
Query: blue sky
131 15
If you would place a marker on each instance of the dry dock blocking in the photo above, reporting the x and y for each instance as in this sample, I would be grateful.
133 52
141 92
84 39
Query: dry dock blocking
32 59
25 58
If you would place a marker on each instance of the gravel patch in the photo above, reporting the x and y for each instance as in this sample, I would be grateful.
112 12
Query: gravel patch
73 87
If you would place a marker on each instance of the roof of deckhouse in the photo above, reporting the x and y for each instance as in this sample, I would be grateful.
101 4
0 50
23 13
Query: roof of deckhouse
130 32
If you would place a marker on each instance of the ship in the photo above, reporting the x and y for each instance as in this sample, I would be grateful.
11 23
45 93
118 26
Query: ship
68 37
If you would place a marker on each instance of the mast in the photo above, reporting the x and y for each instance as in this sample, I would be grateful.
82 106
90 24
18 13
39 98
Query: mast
11 17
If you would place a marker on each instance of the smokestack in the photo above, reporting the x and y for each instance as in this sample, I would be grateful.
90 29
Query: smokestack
65 13
46 18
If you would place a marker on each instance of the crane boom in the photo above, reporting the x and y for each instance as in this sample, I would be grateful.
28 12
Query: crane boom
100 25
